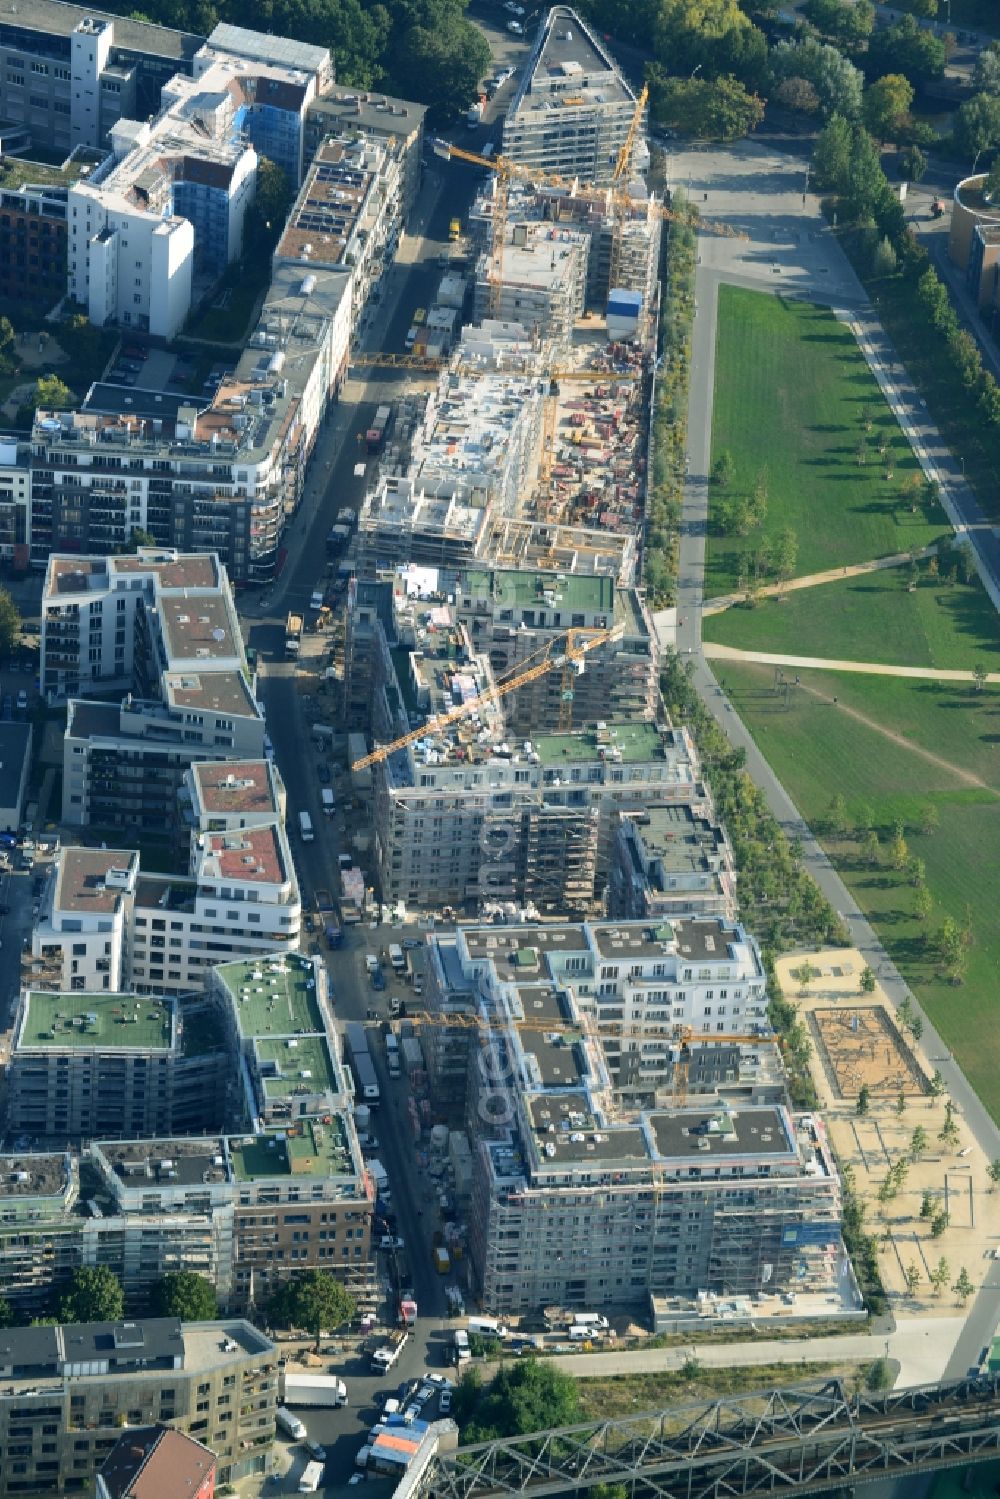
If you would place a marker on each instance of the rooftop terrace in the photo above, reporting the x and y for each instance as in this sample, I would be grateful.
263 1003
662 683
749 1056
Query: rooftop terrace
296 1064
625 743
315 1149
96 1020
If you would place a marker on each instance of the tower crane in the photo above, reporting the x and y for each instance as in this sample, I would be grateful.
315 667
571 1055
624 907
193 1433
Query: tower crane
575 653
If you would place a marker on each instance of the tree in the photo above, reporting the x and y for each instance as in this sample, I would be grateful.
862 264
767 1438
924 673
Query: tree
979 676
838 83
865 820
313 1299
526 1395
871 849
866 189
885 107
864 1100
913 163
912 1278
832 155
713 108
52 394
867 980
940 1275
917 1028
926 1203
841 21
838 819
930 819
804 975
925 9
939 1224
986 78
272 195
884 264
951 946
908 49
899 851
916 871
879 1375
977 125
918 1143
440 63
993 1172
948 1133
963 1287
904 1013
8 1317
723 469
798 94
900 1104
10 623
937 1084
183 1294
93 1294
786 554
923 903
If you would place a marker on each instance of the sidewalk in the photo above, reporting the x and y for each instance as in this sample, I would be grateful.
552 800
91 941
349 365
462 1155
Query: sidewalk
725 601
823 663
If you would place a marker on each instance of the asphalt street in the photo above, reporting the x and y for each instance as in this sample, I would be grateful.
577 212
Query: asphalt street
790 249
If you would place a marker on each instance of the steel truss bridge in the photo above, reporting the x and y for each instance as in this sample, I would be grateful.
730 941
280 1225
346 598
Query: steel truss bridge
798 1440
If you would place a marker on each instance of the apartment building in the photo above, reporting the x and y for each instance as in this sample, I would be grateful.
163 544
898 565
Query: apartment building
469 812
356 113
68 74
15 501
67 1391
157 1460
33 245
539 279
572 109
588 1189
277 1201
113 1063
348 218
81 940
670 861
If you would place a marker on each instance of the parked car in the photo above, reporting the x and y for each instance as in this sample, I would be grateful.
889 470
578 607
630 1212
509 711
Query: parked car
515 27
323 771
444 1404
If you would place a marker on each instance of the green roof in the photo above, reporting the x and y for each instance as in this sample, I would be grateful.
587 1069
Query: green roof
314 1149
513 588
274 995
103 1020
295 1055
637 742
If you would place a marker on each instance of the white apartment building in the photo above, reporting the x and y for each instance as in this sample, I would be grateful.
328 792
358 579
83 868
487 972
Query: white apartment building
80 939
572 109
669 861
170 202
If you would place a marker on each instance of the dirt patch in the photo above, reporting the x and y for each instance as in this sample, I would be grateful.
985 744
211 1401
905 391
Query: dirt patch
860 1048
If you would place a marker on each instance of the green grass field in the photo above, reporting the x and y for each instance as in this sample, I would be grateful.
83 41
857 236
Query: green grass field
872 618
816 749
790 388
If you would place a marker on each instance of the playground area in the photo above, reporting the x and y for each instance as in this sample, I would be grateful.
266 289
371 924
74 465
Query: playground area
857 1041
861 1047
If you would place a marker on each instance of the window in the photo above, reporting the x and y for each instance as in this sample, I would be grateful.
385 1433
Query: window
40 67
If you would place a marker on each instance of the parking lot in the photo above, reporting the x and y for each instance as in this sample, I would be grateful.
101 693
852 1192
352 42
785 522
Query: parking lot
156 369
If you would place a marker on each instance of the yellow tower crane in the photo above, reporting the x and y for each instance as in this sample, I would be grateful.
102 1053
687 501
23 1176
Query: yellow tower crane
575 652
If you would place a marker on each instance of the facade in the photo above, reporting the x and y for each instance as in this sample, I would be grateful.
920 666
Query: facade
348 217
157 1462
973 239
33 245
587 1190
81 939
15 765
67 1392
670 861
15 501
111 1063
69 74
572 110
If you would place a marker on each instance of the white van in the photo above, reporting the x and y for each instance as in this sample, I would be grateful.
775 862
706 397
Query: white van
312 1477
361 1461
592 1320
578 1334
306 828
289 1424
487 1327
329 801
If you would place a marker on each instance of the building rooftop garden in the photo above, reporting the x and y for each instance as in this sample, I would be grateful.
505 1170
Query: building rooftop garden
296 1064
309 1149
275 995
636 742
99 1020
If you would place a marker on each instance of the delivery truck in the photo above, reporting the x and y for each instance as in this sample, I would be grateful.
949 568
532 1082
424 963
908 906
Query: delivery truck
313 1389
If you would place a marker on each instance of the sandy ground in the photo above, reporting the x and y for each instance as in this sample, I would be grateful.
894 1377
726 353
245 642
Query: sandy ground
871 1048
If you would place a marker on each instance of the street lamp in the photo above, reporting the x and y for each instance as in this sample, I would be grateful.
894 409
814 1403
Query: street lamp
694 70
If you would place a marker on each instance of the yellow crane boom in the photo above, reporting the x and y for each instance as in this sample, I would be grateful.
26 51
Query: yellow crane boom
572 653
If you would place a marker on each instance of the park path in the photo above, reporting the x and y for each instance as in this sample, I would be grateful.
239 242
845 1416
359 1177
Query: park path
729 653
725 601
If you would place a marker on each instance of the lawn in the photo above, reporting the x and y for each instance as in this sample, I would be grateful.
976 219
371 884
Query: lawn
631 1394
872 618
790 389
815 750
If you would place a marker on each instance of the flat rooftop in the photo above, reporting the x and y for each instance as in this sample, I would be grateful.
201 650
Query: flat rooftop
315 1149
252 856
238 788
32 1176
96 1020
173 1162
218 691
570 63
262 46
636 743
524 943
198 627
380 113
204 1343
293 1065
82 883
675 836
693 1134
553 1057
708 939
58 19
330 203
275 996
543 1003
180 570
521 588
566 1130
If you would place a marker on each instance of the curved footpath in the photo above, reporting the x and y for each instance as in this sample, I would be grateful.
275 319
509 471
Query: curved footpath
791 248
716 652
